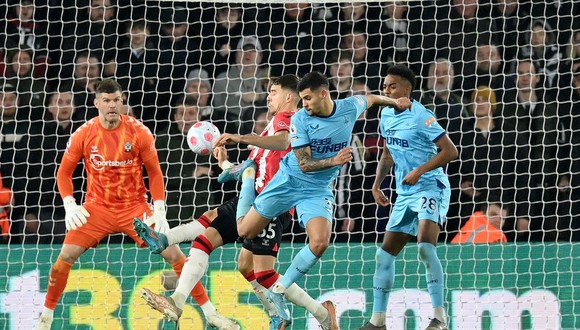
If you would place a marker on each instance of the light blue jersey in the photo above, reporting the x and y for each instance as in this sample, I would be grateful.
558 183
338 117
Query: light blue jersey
325 136
410 136
311 193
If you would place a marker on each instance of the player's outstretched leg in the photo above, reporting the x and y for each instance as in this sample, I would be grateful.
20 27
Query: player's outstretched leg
162 304
235 173
157 242
278 300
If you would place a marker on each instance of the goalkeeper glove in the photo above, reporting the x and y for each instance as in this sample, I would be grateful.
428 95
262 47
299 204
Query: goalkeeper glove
75 215
159 218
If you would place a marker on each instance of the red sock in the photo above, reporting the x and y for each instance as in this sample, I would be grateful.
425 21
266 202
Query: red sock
250 276
198 293
57 280
203 244
267 278
205 221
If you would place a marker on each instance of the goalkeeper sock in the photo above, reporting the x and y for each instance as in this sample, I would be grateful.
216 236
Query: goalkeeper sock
299 297
187 232
382 284
260 292
247 194
434 274
198 292
301 264
57 280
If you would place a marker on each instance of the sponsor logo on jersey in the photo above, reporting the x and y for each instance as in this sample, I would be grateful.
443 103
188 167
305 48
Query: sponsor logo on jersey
99 162
326 145
391 140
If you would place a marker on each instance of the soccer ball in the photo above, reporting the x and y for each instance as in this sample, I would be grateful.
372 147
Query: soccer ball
202 136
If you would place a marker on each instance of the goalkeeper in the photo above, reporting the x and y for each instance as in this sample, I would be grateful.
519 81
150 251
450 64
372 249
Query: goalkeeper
258 256
114 148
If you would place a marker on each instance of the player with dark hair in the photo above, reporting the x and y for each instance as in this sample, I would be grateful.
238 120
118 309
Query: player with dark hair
420 147
114 147
259 255
320 136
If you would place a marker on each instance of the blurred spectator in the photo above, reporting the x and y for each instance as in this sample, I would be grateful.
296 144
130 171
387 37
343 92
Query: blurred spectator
260 121
484 226
569 153
573 49
489 71
347 17
237 91
439 98
402 30
19 157
542 48
535 117
187 174
93 31
87 75
198 87
460 27
178 53
297 41
23 29
221 31
367 67
20 68
46 220
135 67
510 20
492 158
340 73
5 202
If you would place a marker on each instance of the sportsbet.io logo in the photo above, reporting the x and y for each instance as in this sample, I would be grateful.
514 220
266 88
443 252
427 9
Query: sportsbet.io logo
98 162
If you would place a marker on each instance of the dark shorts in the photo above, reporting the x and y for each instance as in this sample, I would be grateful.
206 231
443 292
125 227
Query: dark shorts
266 243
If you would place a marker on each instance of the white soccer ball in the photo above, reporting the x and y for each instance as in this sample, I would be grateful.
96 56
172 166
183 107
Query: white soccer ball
202 136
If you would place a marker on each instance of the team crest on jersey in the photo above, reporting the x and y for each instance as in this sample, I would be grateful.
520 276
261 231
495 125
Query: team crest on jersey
94 149
128 147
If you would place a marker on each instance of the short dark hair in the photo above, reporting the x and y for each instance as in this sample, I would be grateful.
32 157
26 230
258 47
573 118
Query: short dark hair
108 86
313 80
403 72
288 82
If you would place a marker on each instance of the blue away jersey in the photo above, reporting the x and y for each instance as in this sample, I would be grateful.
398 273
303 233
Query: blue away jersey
325 136
410 137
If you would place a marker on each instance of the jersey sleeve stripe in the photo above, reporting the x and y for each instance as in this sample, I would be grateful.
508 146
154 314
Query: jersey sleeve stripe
438 137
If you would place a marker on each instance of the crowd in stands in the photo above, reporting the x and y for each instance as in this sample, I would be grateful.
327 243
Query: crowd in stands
501 76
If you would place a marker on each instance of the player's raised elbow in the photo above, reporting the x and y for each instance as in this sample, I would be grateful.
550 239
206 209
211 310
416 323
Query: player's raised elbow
453 153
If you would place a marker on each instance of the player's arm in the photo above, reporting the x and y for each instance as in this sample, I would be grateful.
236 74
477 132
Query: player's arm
75 215
401 103
309 164
448 153
279 141
384 167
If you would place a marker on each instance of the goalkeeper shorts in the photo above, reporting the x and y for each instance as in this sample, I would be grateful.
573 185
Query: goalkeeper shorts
102 222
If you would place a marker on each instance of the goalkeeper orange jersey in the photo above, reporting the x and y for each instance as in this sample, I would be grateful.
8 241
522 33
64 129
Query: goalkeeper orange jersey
113 160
